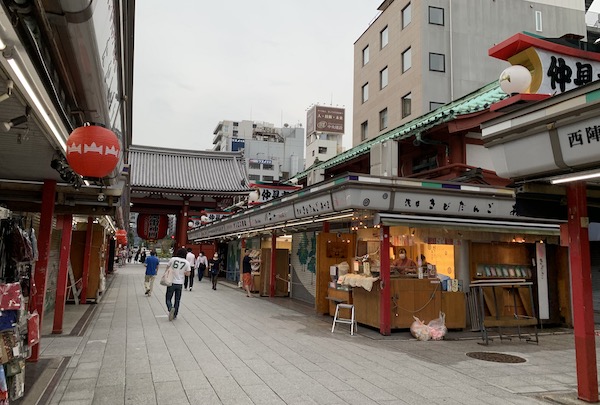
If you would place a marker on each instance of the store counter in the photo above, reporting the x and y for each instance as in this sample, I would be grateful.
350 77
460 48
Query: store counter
422 298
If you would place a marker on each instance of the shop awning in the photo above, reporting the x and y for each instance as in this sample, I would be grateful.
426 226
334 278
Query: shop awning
488 225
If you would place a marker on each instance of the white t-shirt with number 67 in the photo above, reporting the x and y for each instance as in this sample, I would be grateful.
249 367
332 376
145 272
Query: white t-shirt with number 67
180 267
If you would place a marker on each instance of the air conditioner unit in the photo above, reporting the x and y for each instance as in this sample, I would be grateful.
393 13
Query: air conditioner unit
384 159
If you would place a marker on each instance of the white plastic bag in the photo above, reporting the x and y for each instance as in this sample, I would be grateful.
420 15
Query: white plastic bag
419 330
437 327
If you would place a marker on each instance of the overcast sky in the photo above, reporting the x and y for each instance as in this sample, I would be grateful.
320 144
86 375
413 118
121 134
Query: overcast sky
200 62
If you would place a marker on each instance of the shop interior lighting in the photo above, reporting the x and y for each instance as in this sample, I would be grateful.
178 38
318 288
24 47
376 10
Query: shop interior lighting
9 55
576 177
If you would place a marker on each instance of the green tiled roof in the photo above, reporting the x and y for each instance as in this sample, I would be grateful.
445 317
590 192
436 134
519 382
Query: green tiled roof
479 100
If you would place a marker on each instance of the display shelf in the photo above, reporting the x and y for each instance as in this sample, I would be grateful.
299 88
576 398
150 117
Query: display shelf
503 271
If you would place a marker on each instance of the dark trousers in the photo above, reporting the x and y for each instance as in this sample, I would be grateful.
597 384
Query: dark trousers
174 289
201 273
189 279
213 278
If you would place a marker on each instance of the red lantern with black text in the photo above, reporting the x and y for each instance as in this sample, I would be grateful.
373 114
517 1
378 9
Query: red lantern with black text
93 151
152 226
121 235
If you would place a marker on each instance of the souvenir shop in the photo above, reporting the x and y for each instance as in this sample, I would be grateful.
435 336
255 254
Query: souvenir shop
19 322
354 228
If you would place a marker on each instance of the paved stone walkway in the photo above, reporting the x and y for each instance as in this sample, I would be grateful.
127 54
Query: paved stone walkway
225 348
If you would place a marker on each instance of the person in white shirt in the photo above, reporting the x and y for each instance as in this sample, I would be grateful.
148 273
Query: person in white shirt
201 265
181 269
191 258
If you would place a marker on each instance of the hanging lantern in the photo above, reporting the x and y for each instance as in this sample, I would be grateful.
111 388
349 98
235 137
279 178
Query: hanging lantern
152 226
121 235
93 151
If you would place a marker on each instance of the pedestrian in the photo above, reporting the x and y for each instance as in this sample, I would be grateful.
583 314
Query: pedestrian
247 271
213 269
137 256
181 268
191 258
201 265
143 256
151 264
129 255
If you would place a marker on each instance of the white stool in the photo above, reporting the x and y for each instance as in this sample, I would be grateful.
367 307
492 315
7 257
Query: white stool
351 321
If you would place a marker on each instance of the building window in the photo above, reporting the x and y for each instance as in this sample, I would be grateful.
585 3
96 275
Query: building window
235 124
437 62
267 178
406 60
435 105
254 177
383 78
313 152
364 130
406 16
366 55
254 165
235 133
406 101
267 166
538 21
383 119
383 35
322 150
365 92
436 15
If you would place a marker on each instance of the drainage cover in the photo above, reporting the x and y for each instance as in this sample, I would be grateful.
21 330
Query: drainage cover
496 357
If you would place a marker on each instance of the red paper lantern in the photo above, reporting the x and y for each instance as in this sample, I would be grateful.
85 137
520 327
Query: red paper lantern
121 235
152 226
93 151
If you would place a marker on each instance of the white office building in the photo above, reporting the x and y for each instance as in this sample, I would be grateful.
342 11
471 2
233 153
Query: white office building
271 153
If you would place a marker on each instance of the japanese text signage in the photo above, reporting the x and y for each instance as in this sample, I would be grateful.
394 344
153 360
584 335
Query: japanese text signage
562 72
325 119
580 142
268 192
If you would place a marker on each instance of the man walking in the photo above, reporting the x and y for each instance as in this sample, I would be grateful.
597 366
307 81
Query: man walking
201 265
151 264
189 279
247 272
181 268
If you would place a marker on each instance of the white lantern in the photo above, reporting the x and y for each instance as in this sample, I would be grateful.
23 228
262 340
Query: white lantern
190 224
515 79
253 196
204 218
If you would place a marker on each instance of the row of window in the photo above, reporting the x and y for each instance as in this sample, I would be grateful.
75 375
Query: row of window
436 17
406 103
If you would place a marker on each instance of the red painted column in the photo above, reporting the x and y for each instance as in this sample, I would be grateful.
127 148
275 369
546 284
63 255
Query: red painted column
182 225
273 279
326 226
581 284
41 266
63 271
86 260
385 296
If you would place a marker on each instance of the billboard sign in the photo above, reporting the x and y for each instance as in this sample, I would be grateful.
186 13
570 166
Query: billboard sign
325 119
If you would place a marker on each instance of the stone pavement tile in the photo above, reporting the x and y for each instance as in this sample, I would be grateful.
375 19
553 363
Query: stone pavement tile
372 391
202 397
110 395
329 381
109 376
262 394
170 392
226 387
79 390
141 397
354 397
245 376
87 370
194 381
77 402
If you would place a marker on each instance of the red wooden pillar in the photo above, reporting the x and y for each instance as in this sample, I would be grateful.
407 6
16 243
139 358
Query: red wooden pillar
385 296
63 269
273 279
581 284
41 266
182 224
86 260
326 226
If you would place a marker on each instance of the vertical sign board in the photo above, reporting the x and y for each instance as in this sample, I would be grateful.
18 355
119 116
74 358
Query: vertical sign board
542 280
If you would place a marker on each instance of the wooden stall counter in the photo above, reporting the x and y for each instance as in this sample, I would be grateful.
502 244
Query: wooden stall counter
422 298
339 296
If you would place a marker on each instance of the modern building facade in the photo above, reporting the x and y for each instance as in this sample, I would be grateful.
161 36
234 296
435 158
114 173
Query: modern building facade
417 56
271 153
